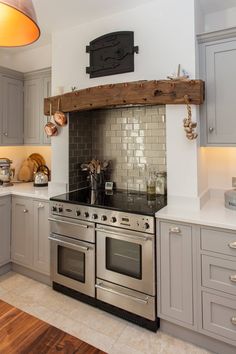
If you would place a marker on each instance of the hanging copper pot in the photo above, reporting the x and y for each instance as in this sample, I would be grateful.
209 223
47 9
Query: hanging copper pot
60 117
50 128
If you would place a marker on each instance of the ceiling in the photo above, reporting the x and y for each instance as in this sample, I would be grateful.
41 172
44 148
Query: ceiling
209 6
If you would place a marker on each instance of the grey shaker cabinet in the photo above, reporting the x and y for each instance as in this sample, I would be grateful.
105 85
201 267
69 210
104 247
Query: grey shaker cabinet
41 259
5 222
12 111
176 272
218 70
30 231
37 86
22 226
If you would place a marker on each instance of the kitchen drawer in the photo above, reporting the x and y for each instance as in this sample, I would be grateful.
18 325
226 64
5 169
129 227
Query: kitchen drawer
219 315
219 274
218 241
126 299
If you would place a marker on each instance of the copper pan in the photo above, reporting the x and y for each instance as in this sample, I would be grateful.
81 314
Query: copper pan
50 128
60 117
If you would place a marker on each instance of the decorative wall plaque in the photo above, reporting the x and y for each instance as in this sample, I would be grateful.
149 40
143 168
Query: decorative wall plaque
111 54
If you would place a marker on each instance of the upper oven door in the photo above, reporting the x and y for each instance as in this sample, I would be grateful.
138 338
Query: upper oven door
73 264
126 258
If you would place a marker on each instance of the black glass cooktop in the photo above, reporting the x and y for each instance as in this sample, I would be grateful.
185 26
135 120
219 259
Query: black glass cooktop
121 200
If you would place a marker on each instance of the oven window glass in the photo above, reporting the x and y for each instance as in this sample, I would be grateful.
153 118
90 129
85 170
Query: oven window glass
71 263
124 257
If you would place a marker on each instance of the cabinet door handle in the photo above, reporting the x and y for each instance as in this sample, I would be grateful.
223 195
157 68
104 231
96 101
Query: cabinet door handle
40 206
175 230
5 134
232 244
232 278
233 320
211 129
25 211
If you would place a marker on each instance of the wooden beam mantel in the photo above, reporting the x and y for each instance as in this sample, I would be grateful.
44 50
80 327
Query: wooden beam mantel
130 93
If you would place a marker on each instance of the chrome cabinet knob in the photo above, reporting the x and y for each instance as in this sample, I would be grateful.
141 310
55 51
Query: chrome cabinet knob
232 245
233 320
211 129
40 206
232 278
5 134
25 211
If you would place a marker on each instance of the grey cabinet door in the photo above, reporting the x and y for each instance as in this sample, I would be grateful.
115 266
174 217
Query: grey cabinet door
46 93
176 283
32 111
5 222
220 71
12 111
22 231
41 261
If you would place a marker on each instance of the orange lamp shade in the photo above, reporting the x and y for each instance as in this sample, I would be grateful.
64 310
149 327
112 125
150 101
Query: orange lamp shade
18 24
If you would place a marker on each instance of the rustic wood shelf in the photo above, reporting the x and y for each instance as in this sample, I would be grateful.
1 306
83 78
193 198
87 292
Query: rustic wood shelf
130 93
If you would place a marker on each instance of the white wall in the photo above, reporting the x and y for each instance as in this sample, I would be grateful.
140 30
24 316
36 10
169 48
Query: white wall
164 31
28 59
220 20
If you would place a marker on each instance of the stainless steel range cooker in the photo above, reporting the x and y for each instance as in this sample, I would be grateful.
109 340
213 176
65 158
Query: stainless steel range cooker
103 251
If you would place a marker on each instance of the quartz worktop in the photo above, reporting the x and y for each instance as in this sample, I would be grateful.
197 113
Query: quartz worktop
213 213
26 190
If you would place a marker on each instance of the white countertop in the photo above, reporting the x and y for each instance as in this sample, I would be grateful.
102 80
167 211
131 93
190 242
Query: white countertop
26 190
213 214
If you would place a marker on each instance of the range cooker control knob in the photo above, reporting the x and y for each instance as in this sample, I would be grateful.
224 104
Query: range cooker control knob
54 208
60 209
113 219
94 216
78 213
86 214
103 218
146 226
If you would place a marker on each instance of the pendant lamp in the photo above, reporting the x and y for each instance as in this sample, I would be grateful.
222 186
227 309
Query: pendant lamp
18 24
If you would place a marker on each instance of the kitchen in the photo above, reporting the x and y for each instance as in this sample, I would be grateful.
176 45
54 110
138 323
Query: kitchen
194 175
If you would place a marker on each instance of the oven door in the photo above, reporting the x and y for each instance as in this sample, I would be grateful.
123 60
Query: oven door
126 258
73 264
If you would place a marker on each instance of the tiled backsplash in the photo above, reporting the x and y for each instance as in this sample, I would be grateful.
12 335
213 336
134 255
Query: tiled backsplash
133 139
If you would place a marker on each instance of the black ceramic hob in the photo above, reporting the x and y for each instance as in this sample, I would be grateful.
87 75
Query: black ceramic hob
119 200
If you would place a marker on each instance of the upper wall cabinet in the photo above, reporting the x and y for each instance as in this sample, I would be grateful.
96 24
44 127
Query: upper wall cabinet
11 113
37 86
218 69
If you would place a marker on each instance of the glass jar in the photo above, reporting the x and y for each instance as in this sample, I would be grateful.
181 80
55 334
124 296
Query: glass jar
161 185
151 184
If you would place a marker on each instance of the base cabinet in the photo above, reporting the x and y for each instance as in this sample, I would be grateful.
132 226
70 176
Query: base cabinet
196 284
5 222
176 275
41 252
30 231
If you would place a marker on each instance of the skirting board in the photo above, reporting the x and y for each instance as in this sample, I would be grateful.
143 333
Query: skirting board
31 274
5 269
198 339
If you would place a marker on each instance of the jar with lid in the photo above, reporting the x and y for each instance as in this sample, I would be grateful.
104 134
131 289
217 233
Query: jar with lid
161 185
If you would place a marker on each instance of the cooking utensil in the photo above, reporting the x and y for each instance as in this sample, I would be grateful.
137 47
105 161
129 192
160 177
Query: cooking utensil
50 128
60 117
40 179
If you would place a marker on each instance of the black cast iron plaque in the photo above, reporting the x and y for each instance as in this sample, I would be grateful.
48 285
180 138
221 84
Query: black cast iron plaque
111 54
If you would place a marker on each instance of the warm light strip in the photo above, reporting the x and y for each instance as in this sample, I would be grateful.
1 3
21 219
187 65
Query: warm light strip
18 25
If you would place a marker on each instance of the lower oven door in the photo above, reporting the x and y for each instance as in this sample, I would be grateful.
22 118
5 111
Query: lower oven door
126 258
73 264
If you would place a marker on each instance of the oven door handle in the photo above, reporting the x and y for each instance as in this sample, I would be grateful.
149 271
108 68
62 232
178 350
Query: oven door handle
110 290
69 223
71 245
142 238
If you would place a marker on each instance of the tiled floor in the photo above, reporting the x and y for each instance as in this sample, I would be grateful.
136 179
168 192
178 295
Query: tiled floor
93 326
